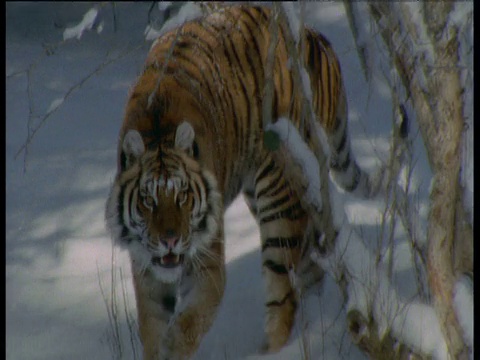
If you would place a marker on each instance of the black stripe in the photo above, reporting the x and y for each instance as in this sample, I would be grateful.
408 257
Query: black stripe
229 47
342 143
201 44
250 60
120 213
123 161
325 43
293 95
130 203
337 125
294 212
256 26
272 185
329 88
356 180
213 33
202 225
283 301
313 63
206 81
182 44
203 80
312 52
335 165
280 77
249 192
248 110
275 204
260 10
276 268
321 95
275 106
266 170
253 67
168 303
282 242
270 191
247 12
233 110
195 150
124 238
250 56
120 208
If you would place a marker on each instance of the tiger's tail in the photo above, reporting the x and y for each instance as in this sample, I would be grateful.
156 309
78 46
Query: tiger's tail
344 169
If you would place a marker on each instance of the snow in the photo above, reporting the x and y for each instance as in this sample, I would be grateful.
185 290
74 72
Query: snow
58 254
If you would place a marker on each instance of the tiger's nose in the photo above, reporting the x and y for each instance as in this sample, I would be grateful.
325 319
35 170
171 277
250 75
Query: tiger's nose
169 241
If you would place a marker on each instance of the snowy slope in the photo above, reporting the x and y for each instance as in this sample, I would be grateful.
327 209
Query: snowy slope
58 254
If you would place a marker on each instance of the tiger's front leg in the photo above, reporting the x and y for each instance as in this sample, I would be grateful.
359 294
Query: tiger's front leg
174 317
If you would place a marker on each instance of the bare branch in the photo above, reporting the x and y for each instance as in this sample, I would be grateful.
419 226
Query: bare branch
72 90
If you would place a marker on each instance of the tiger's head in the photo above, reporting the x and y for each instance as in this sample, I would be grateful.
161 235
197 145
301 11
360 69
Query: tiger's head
163 206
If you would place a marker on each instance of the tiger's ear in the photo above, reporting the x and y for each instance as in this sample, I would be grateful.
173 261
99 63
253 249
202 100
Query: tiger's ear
184 136
132 148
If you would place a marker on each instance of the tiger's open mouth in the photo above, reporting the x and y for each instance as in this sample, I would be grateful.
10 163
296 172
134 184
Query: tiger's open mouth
170 260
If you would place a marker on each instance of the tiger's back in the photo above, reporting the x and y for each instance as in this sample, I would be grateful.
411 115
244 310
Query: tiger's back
215 67
191 141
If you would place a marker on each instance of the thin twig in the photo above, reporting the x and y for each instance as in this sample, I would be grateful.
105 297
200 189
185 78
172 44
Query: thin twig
130 321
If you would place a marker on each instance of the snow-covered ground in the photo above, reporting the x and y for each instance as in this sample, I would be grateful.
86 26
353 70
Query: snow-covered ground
58 254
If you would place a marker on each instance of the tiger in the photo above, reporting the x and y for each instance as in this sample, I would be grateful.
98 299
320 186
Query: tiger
191 142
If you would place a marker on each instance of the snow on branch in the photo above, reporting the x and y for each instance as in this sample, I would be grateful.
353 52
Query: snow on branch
412 325
293 20
352 10
303 156
85 24
301 81
187 12
371 297
463 303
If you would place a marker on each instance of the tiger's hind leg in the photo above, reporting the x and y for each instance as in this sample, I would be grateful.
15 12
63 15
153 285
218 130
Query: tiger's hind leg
282 223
